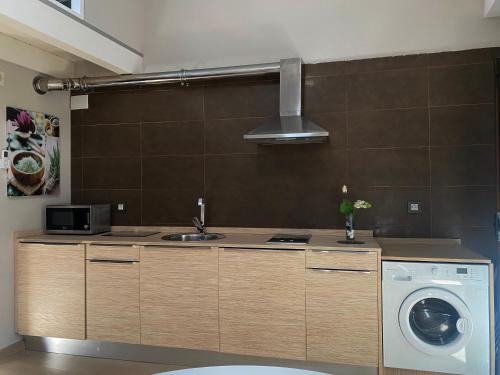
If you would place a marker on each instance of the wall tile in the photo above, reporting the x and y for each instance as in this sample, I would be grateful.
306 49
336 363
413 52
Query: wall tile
169 207
300 207
471 56
114 107
463 206
111 140
468 165
462 84
77 118
393 211
278 171
388 128
172 172
324 94
172 138
325 69
112 173
77 196
176 104
252 99
389 167
132 198
387 63
387 89
463 125
76 174
226 136
76 141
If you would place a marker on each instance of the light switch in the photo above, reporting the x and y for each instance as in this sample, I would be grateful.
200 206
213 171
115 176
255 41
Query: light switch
2 79
414 207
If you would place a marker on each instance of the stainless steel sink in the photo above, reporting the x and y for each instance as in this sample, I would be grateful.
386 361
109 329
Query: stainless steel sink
193 237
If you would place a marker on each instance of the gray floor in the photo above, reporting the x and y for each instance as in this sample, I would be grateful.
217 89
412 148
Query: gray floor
39 363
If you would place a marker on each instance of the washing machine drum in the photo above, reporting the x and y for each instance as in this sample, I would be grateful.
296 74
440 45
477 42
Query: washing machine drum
435 321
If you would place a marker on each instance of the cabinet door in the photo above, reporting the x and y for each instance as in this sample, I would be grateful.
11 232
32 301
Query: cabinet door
342 317
262 302
179 297
113 297
50 290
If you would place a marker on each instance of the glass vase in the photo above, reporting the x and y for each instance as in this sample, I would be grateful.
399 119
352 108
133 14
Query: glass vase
349 227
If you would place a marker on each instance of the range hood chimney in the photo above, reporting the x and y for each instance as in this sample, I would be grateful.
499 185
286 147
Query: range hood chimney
290 127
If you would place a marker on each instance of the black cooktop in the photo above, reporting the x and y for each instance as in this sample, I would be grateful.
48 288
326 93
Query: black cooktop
300 239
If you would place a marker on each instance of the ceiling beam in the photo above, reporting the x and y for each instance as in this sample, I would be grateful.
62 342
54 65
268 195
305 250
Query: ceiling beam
34 19
30 57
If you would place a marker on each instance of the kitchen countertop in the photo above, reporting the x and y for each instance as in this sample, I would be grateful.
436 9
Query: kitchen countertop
428 250
400 249
321 240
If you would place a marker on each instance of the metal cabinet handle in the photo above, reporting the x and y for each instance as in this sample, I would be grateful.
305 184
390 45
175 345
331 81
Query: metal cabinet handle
112 245
113 261
261 249
52 243
340 271
364 252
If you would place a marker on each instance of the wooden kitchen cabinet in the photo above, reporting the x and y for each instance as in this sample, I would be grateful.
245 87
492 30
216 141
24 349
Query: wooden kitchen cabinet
113 293
179 297
50 290
262 302
342 316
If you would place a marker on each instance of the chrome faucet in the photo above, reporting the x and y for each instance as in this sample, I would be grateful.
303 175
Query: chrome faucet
200 223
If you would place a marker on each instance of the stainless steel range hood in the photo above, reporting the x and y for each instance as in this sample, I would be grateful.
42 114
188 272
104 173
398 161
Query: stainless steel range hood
290 127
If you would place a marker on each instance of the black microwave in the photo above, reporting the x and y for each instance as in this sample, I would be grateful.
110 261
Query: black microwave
78 219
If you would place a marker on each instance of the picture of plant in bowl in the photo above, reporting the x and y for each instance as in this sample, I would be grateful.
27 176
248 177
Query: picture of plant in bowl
28 168
33 144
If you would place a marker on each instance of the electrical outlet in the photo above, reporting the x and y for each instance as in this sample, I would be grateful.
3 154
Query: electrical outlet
414 207
4 159
121 207
2 79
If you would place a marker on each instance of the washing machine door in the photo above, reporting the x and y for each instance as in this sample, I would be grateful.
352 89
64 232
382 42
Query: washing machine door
435 321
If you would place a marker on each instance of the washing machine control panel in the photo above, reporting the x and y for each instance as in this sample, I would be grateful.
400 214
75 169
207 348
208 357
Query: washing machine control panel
464 273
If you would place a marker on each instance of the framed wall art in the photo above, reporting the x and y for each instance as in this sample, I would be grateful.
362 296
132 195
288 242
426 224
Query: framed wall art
34 154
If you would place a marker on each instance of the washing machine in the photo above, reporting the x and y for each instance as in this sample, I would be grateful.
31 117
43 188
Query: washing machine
436 317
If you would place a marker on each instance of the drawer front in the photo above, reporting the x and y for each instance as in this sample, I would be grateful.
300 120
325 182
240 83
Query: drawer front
113 302
342 260
113 252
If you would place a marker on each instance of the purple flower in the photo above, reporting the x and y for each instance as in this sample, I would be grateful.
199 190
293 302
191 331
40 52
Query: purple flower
23 122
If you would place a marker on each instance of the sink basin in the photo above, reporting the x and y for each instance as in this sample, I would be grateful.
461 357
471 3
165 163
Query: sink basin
193 237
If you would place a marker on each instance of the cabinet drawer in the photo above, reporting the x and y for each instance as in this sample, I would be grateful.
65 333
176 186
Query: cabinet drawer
342 259
113 252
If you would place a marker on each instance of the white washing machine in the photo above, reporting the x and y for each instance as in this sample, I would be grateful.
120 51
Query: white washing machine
436 317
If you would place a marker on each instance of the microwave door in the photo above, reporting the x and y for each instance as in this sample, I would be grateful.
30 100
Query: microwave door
68 219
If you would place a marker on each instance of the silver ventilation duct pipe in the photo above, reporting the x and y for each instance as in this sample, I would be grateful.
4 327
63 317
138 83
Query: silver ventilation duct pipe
42 85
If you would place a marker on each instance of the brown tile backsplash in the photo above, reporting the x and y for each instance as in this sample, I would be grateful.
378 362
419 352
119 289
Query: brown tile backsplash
405 128
176 104
254 99
462 84
112 173
387 89
389 128
463 125
111 140
172 138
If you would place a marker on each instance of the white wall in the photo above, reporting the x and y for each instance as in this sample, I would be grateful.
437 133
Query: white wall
200 33
25 213
123 20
